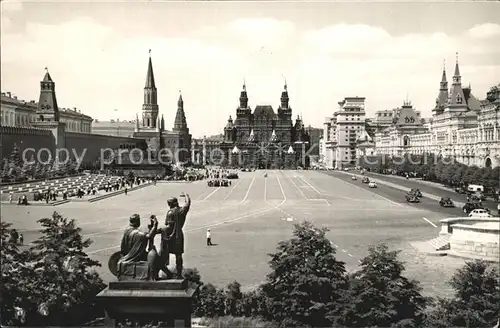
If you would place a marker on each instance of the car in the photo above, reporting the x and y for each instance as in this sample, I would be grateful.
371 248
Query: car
446 202
354 177
232 175
225 183
470 206
415 192
365 180
372 185
412 198
480 213
460 190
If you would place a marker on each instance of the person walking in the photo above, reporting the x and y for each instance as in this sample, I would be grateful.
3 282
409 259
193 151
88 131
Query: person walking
126 190
21 239
209 238
498 208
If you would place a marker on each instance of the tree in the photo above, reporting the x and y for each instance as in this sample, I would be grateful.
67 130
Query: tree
15 163
62 281
468 176
477 298
307 282
379 296
11 291
234 294
211 302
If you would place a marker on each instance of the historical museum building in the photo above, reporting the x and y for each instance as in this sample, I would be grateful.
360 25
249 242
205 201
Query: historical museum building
461 126
260 138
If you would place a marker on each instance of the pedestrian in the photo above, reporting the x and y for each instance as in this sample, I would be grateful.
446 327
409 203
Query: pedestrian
498 208
11 197
21 239
209 238
126 191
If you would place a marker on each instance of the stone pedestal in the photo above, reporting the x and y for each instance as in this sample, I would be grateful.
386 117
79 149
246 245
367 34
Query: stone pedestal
169 301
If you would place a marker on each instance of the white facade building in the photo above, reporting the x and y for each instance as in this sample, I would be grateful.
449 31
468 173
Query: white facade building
461 127
345 133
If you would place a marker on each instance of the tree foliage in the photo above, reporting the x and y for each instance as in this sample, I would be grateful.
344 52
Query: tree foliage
53 282
477 298
434 168
307 282
379 296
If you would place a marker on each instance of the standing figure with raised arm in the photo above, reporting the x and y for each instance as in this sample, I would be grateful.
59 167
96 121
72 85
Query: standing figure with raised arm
176 217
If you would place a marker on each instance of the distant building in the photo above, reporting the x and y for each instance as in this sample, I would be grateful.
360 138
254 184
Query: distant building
19 113
345 132
461 126
315 134
114 128
261 138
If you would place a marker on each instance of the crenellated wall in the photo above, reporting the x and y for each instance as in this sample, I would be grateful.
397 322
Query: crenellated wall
24 138
94 143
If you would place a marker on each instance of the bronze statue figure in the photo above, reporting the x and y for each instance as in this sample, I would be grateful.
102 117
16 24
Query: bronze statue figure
137 256
172 234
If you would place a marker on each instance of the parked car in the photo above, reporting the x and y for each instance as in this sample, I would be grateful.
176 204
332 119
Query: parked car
480 213
232 175
470 206
365 180
415 192
372 185
460 190
412 198
354 177
446 202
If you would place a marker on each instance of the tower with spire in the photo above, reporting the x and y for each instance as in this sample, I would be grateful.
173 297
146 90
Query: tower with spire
180 123
47 104
456 99
47 113
150 105
442 98
152 125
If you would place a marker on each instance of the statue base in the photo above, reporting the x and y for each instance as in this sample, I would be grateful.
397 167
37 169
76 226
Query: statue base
168 301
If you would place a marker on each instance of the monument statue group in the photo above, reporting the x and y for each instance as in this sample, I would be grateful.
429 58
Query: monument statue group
146 289
138 258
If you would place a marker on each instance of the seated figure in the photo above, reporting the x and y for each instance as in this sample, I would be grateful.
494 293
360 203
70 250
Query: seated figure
135 263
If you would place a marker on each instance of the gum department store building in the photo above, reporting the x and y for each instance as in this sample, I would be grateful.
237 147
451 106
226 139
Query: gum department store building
461 126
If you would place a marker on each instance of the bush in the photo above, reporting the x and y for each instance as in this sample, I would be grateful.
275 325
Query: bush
307 282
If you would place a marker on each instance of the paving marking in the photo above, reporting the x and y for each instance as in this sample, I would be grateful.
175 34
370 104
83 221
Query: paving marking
371 192
281 186
213 192
296 187
336 196
432 224
232 189
249 187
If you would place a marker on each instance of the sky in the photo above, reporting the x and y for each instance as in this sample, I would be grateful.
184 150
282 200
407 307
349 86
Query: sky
97 53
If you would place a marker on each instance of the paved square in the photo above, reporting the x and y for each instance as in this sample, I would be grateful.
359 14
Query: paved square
250 217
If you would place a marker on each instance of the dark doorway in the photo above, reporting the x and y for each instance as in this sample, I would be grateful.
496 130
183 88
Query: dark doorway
488 162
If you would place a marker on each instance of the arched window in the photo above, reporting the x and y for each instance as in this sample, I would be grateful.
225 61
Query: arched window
459 99
406 141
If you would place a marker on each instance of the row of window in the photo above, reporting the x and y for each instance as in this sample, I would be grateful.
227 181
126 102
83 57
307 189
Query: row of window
10 119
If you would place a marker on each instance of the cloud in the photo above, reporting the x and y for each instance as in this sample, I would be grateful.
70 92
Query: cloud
98 67
488 30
